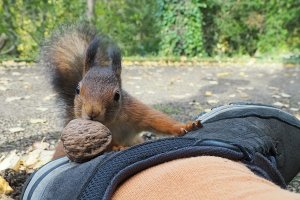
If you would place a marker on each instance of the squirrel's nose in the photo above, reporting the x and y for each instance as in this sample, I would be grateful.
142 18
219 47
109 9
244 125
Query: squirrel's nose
93 114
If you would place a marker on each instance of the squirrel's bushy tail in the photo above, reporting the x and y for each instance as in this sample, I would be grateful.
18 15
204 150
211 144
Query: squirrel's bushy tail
64 55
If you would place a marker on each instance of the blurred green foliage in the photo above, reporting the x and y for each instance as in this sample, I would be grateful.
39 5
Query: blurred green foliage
160 27
181 27
27 22
131 23
257 26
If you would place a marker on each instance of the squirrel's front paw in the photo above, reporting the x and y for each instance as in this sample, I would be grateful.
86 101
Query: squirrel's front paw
191 126
118 148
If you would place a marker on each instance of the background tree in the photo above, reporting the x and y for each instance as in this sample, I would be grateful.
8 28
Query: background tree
181 27
161 27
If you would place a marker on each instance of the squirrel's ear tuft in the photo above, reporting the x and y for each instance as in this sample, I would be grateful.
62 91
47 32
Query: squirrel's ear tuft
91 54
115 56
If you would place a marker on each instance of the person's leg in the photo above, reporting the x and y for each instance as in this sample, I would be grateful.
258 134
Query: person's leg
204 177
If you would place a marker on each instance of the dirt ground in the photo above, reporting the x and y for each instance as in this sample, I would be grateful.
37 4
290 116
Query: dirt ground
29 111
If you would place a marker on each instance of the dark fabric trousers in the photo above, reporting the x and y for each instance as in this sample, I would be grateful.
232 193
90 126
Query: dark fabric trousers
264 138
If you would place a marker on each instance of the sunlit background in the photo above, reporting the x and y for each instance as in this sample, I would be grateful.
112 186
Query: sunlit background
201 28
182 57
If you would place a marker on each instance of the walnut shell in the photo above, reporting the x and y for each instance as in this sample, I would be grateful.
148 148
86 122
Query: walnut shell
85 139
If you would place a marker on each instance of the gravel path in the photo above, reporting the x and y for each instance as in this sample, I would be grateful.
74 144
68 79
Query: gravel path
29 112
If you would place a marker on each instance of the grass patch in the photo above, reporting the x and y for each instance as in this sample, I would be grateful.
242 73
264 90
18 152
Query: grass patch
4 58
294 59
168 109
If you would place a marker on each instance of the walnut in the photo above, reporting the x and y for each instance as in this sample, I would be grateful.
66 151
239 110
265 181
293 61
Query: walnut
85 139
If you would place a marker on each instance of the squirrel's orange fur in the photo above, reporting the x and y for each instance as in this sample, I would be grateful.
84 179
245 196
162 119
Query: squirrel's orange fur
90 64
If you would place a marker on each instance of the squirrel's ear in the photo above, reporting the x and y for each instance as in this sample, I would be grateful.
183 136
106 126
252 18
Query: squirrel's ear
115 56
91 54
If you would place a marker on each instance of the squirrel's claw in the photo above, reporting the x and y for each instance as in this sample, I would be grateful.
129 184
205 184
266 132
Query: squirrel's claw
183 131
118 148
197 124
191 126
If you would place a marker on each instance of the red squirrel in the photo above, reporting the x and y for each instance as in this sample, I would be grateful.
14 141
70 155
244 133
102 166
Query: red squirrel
85 71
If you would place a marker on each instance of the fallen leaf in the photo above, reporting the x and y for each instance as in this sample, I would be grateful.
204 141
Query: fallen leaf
294 109
4 197
2 88
183 58
244 95
240 88
213 82
37 158
41 145
5 80
45 157
2 157
10 99
27 87
135 77
16 73
273 88
42 109
37 121
285 95
180 96
16 129
31 159
280 105
9 63
4 186
223 74
243 74
250 88
276 96
209 76
260 75
47 98
11 161
208 93
23 63
213 101
207 110
190 69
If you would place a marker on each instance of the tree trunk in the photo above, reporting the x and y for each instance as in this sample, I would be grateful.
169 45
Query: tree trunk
90 9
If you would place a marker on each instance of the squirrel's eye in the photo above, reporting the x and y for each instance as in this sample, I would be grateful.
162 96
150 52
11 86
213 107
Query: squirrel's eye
77 89
117 96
